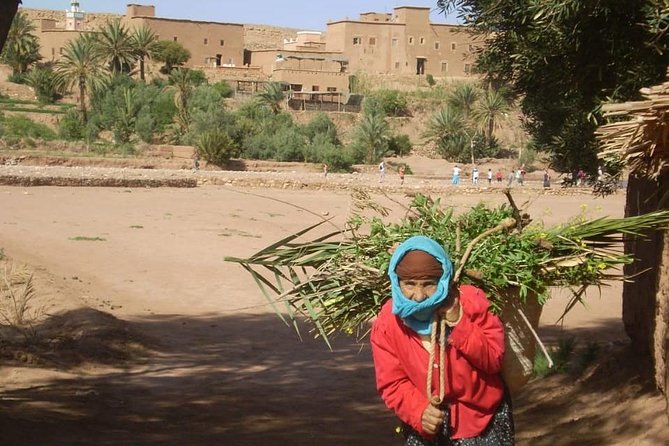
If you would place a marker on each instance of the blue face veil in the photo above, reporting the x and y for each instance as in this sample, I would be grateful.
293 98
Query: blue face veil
418 315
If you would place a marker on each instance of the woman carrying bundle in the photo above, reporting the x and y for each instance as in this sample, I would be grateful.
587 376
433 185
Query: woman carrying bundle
438 354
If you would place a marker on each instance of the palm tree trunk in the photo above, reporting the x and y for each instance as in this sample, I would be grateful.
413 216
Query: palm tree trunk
141 68
82 99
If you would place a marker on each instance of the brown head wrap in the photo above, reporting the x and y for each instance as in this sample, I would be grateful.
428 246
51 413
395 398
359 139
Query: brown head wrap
418 265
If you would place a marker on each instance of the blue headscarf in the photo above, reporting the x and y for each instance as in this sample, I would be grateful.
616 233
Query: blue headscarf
418 315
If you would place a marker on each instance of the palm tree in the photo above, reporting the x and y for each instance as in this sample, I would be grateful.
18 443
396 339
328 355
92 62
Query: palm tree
489 109
144 41
371 135
446 129
272 96
22 48
463 99
81 65
181 83
115 44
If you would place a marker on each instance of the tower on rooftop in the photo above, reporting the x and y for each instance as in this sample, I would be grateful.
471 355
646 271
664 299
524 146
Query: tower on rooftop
74 17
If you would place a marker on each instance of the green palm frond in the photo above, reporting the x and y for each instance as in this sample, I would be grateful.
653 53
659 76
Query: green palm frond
338 281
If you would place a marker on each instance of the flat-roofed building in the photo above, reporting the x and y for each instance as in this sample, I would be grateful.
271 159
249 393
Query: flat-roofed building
404 42
210 43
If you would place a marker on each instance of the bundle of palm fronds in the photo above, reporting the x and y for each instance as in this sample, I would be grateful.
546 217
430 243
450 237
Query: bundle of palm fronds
338 280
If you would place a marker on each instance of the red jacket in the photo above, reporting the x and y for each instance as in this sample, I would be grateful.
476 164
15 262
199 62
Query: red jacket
473 384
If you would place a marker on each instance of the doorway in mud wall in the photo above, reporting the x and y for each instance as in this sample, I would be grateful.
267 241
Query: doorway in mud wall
218 59
420 65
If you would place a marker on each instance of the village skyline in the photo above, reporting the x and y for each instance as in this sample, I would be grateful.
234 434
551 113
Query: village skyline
298 14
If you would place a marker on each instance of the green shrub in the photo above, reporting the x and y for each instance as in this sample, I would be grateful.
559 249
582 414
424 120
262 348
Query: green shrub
392 102
430 80
145 127
44 82
17 78
216 147
224 89
321 124
399 145
70 126
22 127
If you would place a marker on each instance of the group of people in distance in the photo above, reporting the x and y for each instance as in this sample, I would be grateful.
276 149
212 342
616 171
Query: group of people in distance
516 175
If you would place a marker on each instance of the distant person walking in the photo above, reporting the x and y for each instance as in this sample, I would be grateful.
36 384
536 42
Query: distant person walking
325 170
382 171
401 172
489 177
499 175
456 175
547 179
510 178
475 176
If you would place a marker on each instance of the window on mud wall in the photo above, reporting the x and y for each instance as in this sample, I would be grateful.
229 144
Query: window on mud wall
315 88
357 40
444 67
453 46
206 41
436 45
397 65
468 68
222 42
394 42
175 38
332 88
421 40
410 40
372 40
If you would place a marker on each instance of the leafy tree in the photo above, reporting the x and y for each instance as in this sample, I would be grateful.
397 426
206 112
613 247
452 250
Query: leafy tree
144 44
22 48
321 124
563 58
172 54
272 96
116 47
82 66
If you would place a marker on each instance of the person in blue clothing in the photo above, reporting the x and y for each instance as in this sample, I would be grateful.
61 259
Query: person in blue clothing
456 175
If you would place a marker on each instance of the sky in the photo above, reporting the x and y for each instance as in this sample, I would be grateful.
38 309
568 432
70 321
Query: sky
304 15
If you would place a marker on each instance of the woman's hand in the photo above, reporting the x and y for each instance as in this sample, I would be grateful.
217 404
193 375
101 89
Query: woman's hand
452 310
432 419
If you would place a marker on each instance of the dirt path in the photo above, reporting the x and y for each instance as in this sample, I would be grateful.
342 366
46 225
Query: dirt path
193 354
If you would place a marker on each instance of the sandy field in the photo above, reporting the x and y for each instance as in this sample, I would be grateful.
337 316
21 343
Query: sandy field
155 340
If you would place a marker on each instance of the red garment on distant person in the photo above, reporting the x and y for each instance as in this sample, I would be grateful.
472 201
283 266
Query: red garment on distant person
473 384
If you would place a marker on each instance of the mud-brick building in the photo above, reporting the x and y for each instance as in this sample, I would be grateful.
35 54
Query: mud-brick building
213 44
304 64
403 42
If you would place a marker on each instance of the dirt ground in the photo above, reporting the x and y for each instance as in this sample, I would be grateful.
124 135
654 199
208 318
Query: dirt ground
154 340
